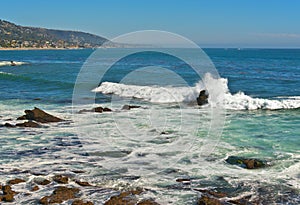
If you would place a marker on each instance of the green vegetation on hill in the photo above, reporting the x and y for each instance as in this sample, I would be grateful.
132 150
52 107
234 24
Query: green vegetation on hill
15 36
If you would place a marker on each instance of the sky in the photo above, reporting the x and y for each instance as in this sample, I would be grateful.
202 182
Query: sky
209 23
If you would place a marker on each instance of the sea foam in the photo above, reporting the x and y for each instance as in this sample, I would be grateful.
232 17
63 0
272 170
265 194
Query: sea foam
219 95
8 63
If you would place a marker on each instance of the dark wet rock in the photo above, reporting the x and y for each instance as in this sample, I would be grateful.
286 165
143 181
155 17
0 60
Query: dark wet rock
81 183
41 181
16 181
126 198
247 163
147 202
35 188
8 125
78 171
207 200
212 193
61 179
128 107
183 180
81 202
96 109
203 98
39 115
242 201
7 194
29 124
59 195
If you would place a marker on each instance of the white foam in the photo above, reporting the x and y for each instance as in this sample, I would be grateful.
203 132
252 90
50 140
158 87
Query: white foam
219 95
8 63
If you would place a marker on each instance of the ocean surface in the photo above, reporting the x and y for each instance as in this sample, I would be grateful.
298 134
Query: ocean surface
168 137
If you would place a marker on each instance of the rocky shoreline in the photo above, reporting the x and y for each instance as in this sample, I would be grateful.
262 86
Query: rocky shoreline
68 188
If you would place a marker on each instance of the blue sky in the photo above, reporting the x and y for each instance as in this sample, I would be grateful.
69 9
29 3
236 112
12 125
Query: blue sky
211 23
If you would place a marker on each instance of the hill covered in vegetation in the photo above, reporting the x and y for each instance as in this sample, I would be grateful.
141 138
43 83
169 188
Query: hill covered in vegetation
15 36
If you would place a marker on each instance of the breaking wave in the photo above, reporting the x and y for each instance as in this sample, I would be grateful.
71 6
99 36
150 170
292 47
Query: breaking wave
219 95
8 63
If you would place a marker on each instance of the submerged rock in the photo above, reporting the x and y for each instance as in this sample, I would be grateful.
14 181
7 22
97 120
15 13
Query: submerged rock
128 107
39 115
96 109
247 163
81 202
207 200
61 179
203 98
29 124
7 194
59 195
16 181
81 183
126 197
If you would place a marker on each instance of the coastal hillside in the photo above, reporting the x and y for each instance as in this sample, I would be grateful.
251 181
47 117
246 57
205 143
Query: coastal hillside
15 36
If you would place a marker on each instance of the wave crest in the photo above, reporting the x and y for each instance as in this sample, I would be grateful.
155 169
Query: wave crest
8 63
219 95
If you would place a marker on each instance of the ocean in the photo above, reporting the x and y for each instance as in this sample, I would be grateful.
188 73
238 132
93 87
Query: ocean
169 146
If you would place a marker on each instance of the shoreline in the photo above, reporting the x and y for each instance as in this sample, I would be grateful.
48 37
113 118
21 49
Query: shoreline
25 49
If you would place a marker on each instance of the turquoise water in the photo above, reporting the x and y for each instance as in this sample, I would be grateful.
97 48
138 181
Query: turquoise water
263 122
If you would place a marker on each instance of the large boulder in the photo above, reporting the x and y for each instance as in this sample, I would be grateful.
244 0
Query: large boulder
39 115
247 163
203 98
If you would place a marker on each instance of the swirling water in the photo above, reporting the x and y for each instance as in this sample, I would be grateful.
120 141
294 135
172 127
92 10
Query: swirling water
164 138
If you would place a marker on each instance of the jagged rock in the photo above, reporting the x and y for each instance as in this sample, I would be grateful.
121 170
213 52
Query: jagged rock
59 195
35 188
203 98
82 183
8 194
81 202
96 109
206 200
15 181
148 202
128 107
39 115
41 181
124 198
8 125
245 162
61 179
29 124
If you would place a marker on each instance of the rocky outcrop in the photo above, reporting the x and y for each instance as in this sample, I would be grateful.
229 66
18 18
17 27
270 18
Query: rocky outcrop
61 179
16 181
39 115
96 109
81 202
59 195
24 124
203 98
128 107
7 194
247 163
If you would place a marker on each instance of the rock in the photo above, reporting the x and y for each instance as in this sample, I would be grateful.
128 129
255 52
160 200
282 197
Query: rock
8 194
203 98
8 125
39 115
41 181
206 200
96 109
245 163
81 202
35 188
82 183
128 107
59 195
16 181
29 124
126 198
61 179
148 202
